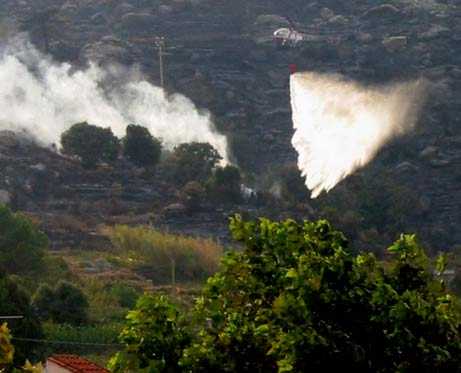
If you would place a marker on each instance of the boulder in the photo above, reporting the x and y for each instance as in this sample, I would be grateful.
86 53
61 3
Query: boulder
326 14
137 21
395 43
364 37
429 152
381 11
272 20
165 10
339 20
434 32
5 197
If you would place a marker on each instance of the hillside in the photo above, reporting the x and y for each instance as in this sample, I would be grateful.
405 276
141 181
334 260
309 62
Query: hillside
221 55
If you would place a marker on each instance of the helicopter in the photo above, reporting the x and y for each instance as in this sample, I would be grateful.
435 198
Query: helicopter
290 36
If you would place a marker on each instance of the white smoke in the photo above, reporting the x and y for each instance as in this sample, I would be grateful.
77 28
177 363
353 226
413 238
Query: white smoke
340 125
44 98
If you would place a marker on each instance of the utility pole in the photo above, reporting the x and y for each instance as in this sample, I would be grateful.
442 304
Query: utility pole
160 44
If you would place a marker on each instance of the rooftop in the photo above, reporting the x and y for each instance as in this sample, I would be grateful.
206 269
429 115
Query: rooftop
76 364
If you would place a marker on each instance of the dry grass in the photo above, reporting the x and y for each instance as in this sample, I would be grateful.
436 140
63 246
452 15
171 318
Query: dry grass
157 252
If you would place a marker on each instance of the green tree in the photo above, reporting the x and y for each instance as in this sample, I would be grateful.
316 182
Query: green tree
297 299
141 147
92 144
154 337
192 162
65 304
22 245
15 302
6 348
7 355
225 184
293 188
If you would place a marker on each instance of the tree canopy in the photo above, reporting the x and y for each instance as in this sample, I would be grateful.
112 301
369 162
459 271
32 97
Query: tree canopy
298 299
225 184
92 144
21 243
141 147
15 302
64 303
193 162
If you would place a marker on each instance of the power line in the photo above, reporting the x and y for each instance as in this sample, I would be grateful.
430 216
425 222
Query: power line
11 317
49 341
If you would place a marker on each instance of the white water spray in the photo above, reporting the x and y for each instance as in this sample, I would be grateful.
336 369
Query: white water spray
340 125
44 98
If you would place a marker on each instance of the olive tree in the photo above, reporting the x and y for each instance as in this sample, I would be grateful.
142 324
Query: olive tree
92 144
141 147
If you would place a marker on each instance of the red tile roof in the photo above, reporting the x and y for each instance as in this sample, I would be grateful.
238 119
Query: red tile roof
76 364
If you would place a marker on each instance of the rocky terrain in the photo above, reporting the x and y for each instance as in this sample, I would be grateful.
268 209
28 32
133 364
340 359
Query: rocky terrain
221 55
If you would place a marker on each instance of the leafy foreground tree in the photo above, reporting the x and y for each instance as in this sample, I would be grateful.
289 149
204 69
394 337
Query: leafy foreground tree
66 303
141 147
7 355
92 144
15 302
297 300
22 245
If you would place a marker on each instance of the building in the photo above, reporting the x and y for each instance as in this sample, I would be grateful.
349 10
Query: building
71 364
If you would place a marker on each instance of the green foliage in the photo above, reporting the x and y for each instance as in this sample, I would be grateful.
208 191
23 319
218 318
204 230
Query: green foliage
297 299
126 295
192 162
292 187
101 335
64 303
225 184
21 243
7 352
92 144
154 338
141 147
15 302
6 348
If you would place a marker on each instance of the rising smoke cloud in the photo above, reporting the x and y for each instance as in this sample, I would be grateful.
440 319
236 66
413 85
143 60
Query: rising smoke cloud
340 125
43 98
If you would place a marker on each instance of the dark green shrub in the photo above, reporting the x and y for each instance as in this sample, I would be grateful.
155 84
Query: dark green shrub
92 144
65 304
22 245
192 162
140 147
225 184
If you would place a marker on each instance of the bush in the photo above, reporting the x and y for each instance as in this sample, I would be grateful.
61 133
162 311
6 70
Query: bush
192 162
22 245
166 257
297 299
225 185
64 304
92 144
140 147
126 295
154 336
193 195
293 188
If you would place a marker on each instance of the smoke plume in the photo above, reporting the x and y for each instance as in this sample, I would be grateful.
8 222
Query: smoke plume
340 125
44 98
